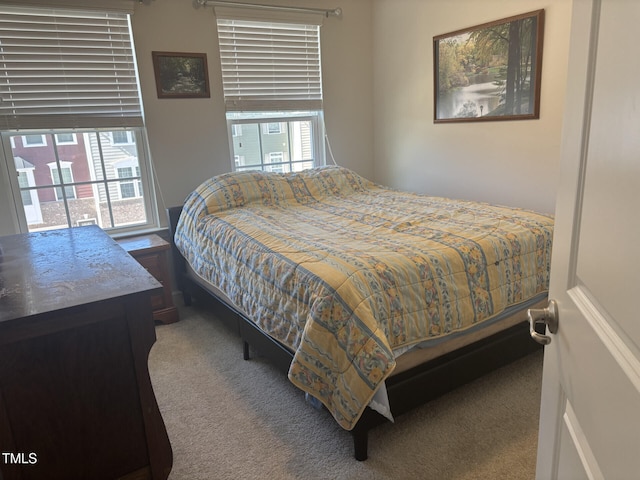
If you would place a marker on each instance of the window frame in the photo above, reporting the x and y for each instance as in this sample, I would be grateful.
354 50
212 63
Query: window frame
26 144
258 118
148 197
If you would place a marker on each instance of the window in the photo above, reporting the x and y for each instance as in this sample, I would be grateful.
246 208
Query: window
273 128
132 187
91 186
295 145
73 153
273 93
275 162
66 139
23 181
65 179
28 196
34 141
122 138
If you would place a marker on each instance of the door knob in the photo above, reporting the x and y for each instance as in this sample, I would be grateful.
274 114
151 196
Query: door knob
545 316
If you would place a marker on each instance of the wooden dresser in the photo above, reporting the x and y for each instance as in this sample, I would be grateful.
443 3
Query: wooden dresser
76 328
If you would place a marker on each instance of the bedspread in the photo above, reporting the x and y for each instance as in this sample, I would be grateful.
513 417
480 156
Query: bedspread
343 271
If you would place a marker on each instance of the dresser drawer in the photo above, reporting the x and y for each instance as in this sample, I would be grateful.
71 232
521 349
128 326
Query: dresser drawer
157 302
152 253
153 264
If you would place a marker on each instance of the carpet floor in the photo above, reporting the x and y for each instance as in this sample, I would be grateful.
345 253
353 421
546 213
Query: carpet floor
233 419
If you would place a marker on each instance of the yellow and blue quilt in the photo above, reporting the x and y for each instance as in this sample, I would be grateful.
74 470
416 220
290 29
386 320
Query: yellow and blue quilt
344 271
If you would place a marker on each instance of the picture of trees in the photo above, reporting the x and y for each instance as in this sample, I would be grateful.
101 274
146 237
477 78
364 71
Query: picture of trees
490 72
181 75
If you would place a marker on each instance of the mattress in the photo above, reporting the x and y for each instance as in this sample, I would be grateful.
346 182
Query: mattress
346 273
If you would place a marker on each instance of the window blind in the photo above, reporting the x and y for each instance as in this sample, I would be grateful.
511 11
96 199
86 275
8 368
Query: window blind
66 69
270 66
124 6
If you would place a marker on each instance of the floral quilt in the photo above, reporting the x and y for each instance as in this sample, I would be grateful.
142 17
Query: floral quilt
344 271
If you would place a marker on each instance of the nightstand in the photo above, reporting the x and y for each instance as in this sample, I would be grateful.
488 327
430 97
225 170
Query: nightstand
152 252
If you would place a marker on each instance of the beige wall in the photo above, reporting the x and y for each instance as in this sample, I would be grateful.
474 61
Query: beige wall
188 137
378 87
507 162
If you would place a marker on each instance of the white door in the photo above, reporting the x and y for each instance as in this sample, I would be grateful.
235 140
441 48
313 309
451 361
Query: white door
590 411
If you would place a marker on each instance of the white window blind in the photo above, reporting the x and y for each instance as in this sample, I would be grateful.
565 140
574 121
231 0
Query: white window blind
123 6
65 69
270 66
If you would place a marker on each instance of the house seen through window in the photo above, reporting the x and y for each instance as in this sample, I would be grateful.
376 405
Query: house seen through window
92 180
291 144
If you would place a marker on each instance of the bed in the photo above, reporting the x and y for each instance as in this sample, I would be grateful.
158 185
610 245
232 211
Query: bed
372 300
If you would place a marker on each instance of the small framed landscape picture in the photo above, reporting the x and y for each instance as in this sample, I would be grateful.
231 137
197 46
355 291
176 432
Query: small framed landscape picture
181 75
489 72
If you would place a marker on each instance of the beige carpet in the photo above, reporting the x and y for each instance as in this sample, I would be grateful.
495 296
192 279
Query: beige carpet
233 419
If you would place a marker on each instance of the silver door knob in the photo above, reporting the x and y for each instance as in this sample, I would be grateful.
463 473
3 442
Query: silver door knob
546 316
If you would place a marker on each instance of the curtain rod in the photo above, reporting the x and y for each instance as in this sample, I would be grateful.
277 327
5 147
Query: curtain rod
335 12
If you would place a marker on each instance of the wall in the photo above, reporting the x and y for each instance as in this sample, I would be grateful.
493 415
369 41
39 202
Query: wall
378 84
507 162
188 138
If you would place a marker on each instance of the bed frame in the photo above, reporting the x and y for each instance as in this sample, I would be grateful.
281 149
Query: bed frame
406 390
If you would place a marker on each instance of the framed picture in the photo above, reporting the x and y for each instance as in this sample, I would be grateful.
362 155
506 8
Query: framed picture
489 72
181 75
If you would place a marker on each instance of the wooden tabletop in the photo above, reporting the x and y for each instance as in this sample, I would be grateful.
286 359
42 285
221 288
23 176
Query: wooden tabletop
55 269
